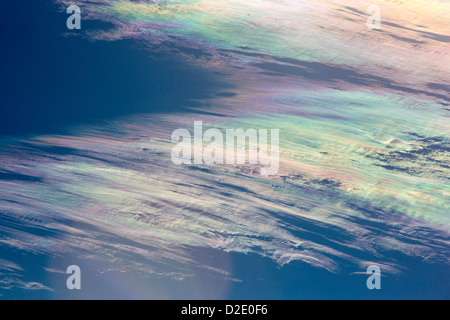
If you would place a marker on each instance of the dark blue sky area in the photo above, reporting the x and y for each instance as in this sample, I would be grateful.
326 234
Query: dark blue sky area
50 81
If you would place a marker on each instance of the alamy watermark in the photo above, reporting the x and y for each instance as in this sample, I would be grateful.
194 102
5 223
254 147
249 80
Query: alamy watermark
74 280
374 281
374 21
235 147
74 21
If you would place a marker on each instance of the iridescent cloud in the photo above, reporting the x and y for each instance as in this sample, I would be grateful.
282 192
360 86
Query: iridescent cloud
363 119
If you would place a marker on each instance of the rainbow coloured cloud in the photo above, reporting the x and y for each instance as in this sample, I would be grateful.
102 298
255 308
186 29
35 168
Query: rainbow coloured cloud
363 116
